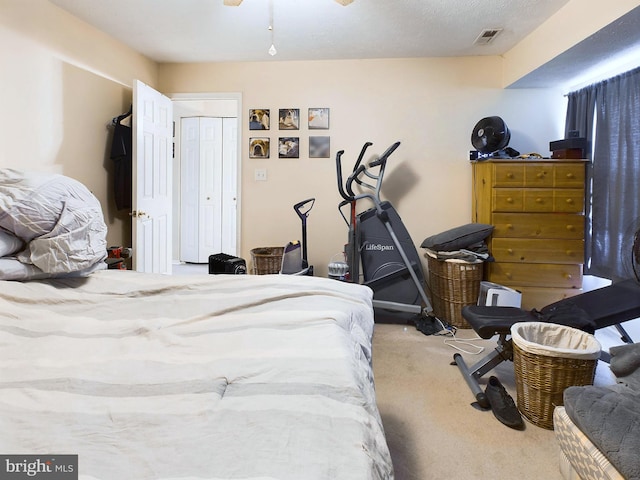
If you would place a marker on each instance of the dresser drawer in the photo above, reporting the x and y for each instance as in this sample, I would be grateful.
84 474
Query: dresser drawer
543 275
569 175
568 200
539 174
538 200
508 200
508 175
539 297
538 225
526 250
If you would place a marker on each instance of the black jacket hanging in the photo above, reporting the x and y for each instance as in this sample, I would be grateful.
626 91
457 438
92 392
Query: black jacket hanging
121 153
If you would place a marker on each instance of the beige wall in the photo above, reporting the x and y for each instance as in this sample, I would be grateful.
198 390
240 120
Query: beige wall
61 84
430 105
62 81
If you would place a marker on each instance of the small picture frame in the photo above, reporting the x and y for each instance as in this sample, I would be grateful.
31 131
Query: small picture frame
289 147
319 147
289 119
259 119
259 147
318 119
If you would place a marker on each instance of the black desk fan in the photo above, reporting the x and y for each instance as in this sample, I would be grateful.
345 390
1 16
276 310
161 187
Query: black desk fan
490 138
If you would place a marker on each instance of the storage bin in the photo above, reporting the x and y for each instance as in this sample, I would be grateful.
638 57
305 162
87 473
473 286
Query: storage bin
549 358
454 283
266 260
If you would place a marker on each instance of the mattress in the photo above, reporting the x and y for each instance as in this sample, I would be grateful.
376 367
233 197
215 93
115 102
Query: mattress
210 377
579 457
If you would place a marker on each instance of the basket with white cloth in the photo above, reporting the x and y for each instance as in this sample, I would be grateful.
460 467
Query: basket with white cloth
548 358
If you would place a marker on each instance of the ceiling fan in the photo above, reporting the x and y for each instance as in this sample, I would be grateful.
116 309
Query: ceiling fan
235 3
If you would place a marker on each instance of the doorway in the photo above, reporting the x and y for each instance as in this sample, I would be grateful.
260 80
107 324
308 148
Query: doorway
227 106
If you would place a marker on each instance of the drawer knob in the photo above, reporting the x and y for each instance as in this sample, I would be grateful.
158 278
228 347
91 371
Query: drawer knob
570 201
509 200
509 175
538 200
571 228
509 226
508 275
569 253
540 175
510 251
568 276
570 175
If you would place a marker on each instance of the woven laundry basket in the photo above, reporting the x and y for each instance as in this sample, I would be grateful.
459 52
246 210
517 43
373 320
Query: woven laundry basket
266 260
454 283
549 358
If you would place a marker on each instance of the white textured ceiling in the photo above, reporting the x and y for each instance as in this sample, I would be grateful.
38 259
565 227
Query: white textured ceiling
208 31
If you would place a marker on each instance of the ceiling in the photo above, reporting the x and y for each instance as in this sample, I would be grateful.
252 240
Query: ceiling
209 31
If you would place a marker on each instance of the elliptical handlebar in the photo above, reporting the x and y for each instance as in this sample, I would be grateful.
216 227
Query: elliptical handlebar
346 188
383 158
343 194
355 176
361 156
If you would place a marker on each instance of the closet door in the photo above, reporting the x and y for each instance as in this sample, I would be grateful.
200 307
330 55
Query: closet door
229 185
201 188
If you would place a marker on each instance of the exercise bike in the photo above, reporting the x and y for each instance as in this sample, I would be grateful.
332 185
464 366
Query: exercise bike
379 245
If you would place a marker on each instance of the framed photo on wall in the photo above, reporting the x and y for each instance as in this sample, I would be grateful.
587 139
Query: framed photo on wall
319 147
259 119
289 147
259 147
289 119
318 118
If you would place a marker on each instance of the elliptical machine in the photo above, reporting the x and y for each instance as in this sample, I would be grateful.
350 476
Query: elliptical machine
379 242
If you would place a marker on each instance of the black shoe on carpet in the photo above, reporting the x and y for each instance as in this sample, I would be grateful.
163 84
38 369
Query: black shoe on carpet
502 404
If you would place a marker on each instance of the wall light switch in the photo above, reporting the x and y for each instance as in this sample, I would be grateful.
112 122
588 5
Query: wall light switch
260 174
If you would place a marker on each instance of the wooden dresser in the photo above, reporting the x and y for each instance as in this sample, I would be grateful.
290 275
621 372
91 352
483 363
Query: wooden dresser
537 209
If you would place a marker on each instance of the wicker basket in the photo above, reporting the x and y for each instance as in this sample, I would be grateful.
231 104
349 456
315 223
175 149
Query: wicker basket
266 260
541 379
454 284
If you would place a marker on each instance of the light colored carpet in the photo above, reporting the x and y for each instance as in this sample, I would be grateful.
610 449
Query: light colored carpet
432 430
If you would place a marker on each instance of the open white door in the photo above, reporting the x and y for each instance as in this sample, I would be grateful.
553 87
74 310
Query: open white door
152 176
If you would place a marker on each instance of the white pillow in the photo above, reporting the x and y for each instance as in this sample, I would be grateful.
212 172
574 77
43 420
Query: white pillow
13 269
9 244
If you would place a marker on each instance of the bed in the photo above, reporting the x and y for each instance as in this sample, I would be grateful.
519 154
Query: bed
598 427
141 376
212 376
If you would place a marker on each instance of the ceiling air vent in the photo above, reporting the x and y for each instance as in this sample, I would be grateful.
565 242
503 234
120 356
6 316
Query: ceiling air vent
487 35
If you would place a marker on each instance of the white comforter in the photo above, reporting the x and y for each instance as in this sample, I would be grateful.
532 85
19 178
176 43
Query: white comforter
216 377
56 224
